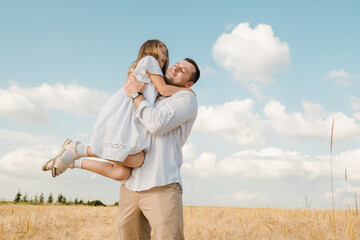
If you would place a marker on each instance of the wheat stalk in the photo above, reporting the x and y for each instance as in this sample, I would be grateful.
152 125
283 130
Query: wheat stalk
357 212
346 192
332 182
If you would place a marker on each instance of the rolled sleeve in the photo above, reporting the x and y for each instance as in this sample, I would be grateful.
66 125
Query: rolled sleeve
160 119
142 105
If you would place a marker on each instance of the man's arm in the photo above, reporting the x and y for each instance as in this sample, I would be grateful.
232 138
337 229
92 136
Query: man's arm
172 114
161 119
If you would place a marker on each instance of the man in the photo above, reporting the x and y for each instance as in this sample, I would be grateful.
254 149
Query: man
152 197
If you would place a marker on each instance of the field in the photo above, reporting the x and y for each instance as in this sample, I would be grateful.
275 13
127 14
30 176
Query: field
84 222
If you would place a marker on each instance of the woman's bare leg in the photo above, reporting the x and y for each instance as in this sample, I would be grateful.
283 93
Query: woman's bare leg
132 161
111 170
115 170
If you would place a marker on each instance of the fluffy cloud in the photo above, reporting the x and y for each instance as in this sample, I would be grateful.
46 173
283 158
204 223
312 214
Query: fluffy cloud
269 163
340 76
354 103
245 195
272 163
26 162
33 104
313 123
252 55
239 197
236 121
206 70
26 137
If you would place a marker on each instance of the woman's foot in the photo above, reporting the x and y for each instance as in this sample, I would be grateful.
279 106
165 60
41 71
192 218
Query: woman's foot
64 159
48 165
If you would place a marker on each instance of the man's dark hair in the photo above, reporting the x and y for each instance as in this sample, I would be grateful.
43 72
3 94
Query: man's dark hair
196 75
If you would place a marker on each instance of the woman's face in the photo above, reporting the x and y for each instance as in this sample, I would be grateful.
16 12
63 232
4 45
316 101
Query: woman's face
163 56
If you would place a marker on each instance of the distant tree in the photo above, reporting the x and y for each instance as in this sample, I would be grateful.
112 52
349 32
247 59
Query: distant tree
41 198
76 201
116 204
50 198
25 198
81 201
61 199
95 203
36 199
17 197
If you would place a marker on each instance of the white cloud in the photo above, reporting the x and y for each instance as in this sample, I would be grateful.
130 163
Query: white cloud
252 55
189 152
30 152
26 162
242 195
230 26
239 197
269 163
26 137
340 76
16 106
206 70
340 192
236 121
313 123
272 163
33 104
354 103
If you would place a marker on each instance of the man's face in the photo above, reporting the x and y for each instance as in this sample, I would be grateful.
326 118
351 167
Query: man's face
179 74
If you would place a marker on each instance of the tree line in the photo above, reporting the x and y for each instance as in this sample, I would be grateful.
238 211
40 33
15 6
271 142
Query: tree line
61 199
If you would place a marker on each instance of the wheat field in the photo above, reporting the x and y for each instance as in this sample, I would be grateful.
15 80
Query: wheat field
85 222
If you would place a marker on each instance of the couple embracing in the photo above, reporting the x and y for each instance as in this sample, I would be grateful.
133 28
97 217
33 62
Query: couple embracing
138 136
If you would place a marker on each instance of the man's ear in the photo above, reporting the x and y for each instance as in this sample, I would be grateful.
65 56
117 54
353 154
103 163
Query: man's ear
189 84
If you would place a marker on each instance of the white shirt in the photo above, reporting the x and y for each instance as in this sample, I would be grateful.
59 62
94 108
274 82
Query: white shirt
170 121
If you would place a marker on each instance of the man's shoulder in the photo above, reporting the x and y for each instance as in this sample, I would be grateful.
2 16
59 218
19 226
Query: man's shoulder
183 98
184 93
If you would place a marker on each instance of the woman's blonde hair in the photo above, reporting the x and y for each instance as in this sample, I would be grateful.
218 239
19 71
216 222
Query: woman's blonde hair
150 48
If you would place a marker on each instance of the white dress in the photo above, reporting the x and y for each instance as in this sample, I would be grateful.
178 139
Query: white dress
117 132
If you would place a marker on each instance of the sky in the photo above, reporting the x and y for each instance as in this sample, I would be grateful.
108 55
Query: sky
274 75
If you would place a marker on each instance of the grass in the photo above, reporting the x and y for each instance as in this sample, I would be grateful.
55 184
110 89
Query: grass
85 222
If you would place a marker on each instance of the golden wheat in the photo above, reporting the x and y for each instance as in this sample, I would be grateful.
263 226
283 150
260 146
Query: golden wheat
84 222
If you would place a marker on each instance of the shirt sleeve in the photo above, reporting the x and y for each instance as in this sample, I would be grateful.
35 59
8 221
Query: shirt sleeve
159 120
147 63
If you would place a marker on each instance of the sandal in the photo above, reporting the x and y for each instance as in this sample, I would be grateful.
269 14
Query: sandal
58 166
48 165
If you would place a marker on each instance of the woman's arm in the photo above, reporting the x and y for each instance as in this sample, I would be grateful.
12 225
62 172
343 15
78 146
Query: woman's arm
163 88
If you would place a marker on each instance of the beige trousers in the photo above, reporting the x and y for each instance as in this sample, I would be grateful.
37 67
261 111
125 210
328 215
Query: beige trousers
159 208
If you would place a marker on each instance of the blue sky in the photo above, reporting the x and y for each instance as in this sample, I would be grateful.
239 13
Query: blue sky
274 74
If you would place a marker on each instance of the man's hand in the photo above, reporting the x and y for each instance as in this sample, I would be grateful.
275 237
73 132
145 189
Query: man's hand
133 85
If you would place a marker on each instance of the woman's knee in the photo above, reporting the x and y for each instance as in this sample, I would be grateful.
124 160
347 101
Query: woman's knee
120 172
135 160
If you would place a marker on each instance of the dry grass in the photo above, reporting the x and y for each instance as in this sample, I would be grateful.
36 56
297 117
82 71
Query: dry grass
83 222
